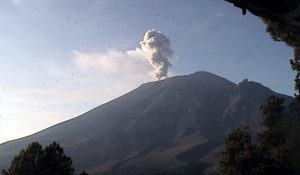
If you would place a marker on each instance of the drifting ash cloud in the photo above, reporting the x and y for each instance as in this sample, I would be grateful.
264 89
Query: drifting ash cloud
154 53
114 65
62 91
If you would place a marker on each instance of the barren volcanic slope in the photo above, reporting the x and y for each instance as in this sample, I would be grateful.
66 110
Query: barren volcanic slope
164 127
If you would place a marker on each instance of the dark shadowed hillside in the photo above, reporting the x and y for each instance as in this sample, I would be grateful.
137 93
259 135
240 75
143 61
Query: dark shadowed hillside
172 126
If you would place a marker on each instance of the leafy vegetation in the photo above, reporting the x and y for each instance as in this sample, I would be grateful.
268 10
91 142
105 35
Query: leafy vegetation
276 148
270 154
36 160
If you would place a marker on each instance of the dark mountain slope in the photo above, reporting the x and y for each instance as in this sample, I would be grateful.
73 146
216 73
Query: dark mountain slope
161 127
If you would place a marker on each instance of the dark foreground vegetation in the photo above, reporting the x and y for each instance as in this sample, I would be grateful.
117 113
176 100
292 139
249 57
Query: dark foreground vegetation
36 160
275 150
270 152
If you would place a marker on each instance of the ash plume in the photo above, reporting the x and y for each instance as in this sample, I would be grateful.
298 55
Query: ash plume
157 48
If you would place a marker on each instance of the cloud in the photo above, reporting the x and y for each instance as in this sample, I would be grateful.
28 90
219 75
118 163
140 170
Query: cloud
128 65
153 57
54 91
58 91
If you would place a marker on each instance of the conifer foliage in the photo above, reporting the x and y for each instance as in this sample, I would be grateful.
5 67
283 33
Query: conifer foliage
269 155
36 160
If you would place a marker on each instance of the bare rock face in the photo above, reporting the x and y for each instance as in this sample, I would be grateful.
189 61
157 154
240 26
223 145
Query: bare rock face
173 126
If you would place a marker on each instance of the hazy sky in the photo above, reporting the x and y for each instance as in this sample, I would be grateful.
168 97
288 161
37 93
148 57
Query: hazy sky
60 58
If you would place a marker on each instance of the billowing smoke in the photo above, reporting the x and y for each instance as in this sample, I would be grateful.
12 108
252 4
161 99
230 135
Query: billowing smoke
157 48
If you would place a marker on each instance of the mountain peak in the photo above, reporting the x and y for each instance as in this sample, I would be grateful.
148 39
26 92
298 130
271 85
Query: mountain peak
205 75
246 84
199 77
166 120
202 73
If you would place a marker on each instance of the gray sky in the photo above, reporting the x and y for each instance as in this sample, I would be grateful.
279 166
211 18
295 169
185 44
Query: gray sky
60 58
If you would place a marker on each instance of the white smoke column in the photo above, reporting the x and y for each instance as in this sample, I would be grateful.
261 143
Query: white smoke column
157 48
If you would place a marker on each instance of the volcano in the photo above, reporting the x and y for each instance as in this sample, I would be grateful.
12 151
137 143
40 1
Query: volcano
172 126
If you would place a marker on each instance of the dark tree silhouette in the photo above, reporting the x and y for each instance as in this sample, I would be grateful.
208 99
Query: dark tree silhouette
53 161
271 154
83 173
282 19
273 146
36 160
238 157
